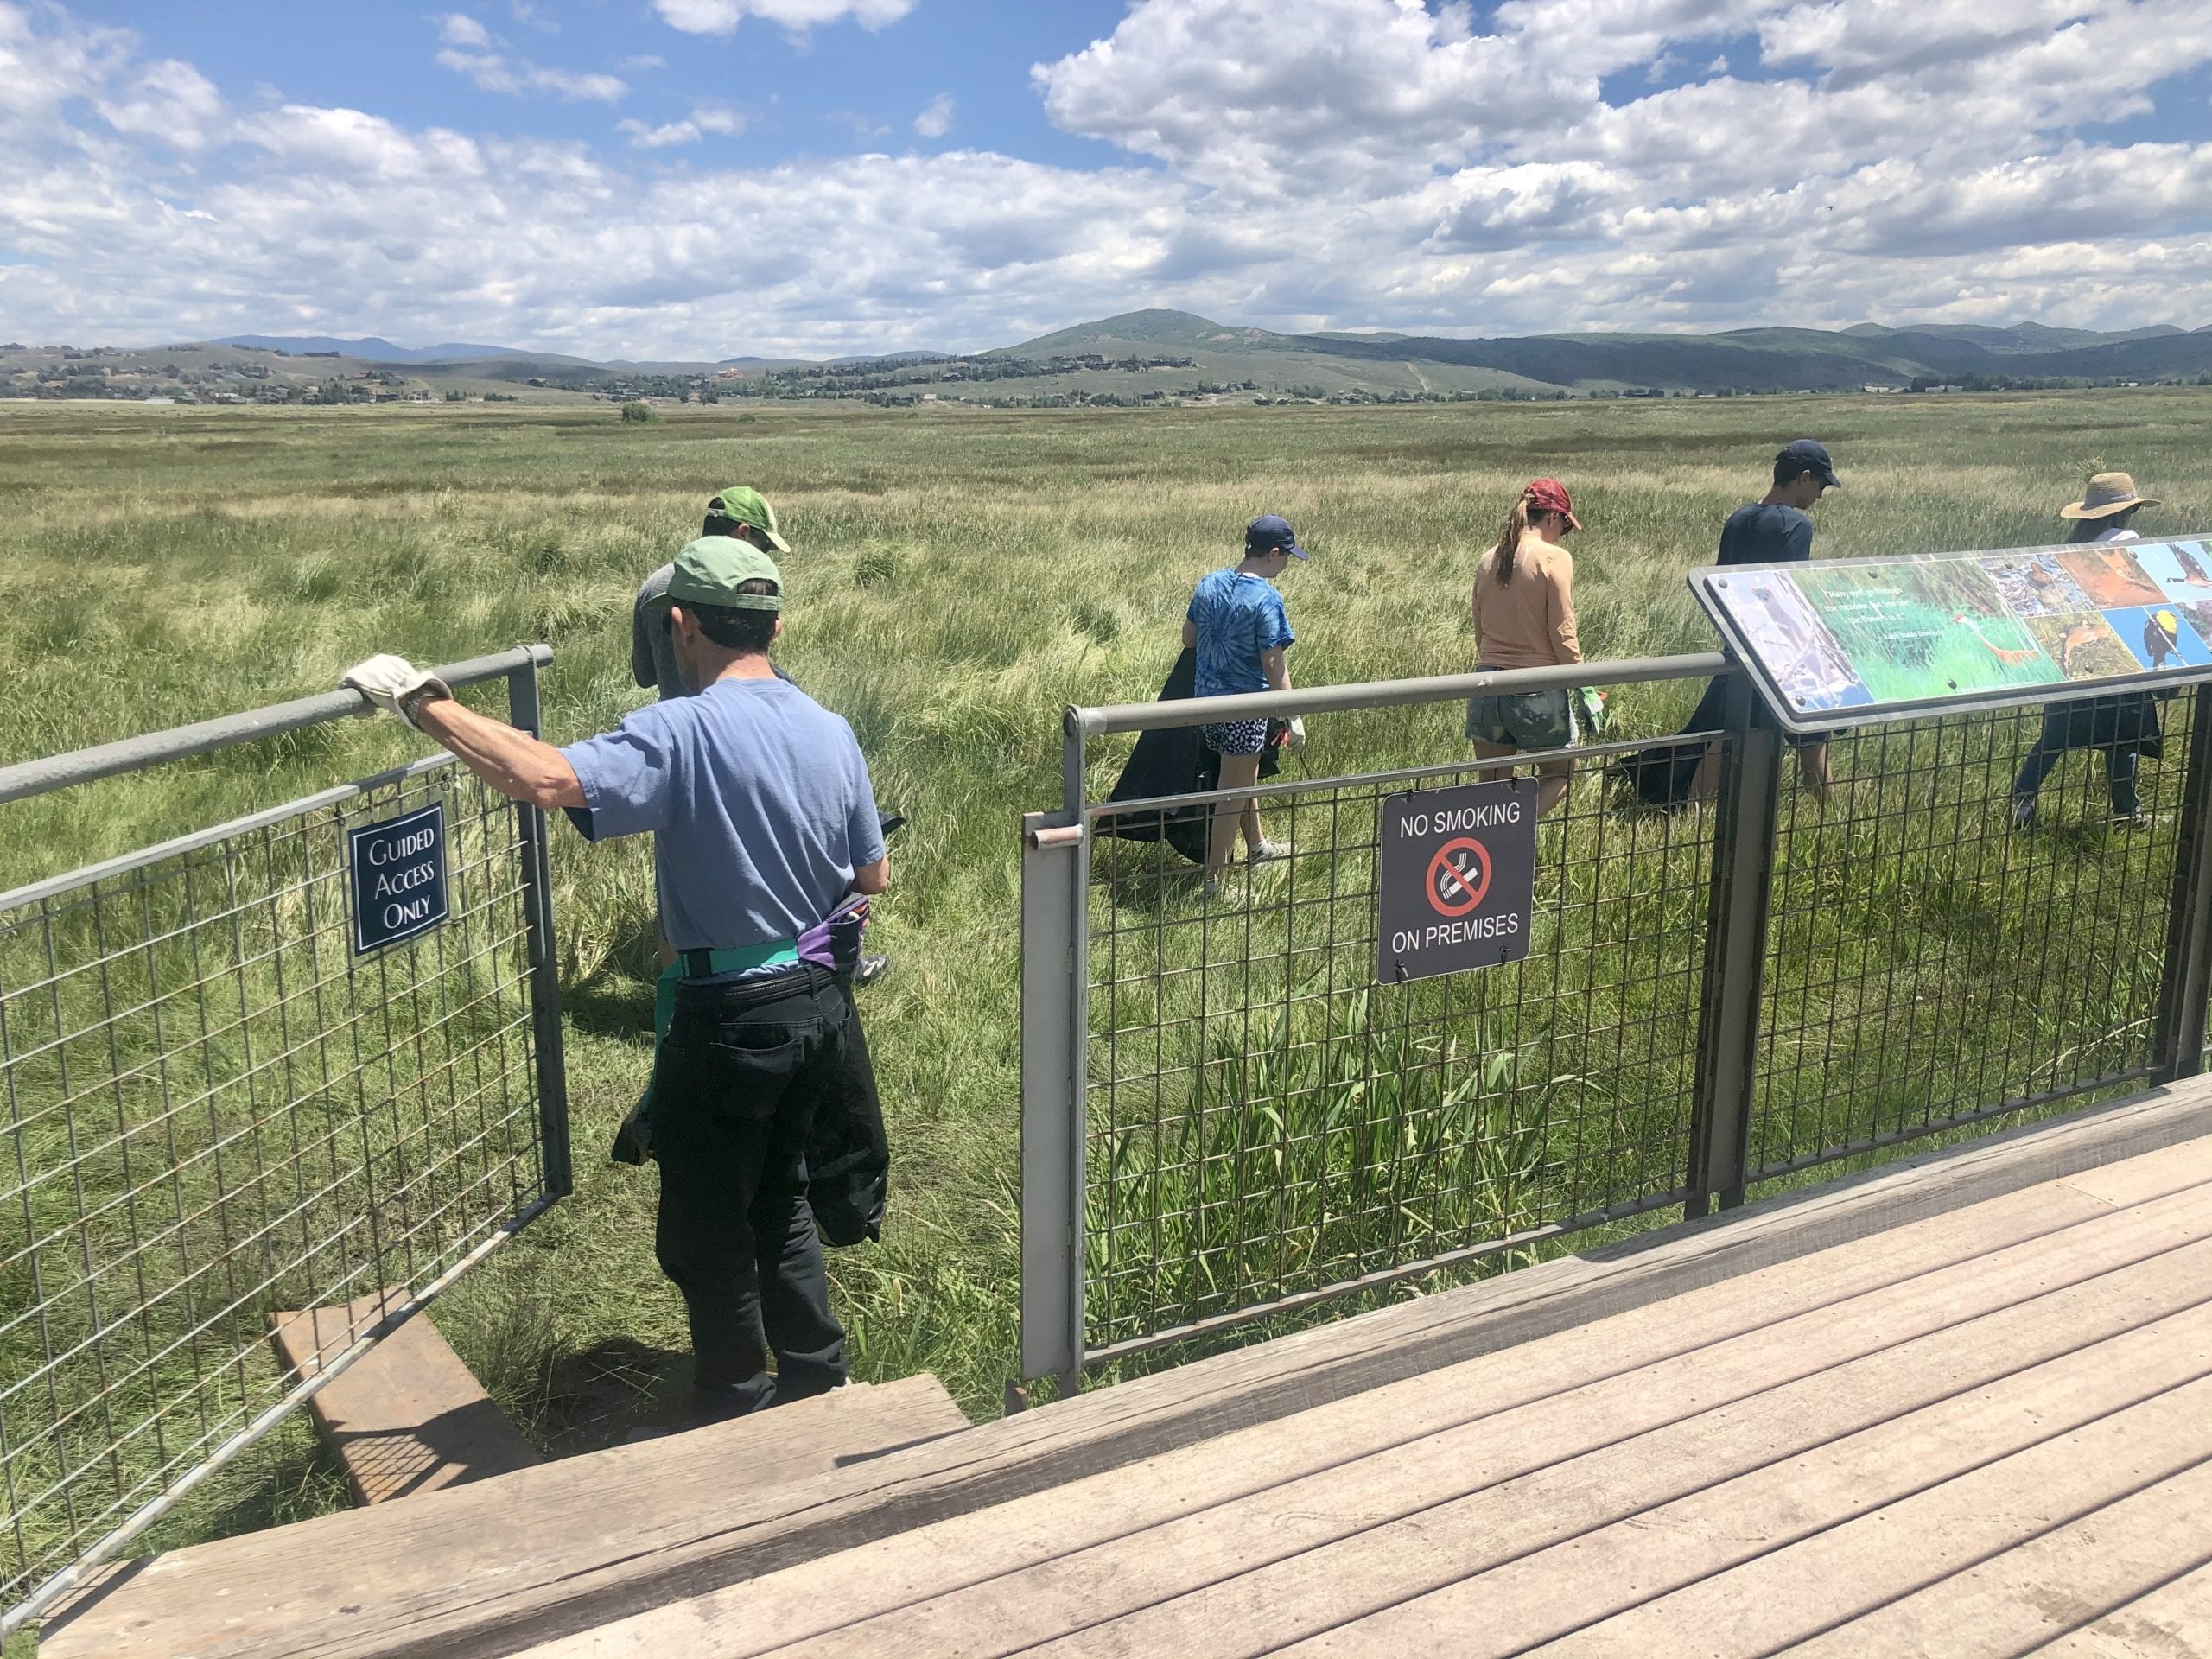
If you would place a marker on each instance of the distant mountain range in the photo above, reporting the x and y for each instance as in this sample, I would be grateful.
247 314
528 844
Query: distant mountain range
1747 359
1152 356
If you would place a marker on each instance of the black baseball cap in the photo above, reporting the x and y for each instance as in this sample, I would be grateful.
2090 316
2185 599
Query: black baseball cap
1805 455
1268 534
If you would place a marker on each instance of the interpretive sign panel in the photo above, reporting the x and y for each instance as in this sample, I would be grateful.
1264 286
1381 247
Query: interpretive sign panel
1845 642
1459 879
397 877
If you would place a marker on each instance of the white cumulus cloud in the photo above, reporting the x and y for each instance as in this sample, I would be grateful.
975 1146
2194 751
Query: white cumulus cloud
495 73
718 119
459 28
169 101
936 118
723 17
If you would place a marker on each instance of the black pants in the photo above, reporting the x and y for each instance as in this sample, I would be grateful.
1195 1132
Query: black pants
741 1078
2119 728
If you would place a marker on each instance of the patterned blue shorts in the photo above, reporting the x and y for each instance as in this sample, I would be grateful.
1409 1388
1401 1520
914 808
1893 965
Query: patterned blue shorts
1236 737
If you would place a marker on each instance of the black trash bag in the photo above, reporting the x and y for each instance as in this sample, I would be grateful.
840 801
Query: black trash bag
1173 762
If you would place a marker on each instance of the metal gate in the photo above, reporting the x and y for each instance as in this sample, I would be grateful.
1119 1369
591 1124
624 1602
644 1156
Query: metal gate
216 1109
1226 1118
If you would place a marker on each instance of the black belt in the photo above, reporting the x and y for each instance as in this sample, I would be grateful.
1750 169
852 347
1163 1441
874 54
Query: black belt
758 987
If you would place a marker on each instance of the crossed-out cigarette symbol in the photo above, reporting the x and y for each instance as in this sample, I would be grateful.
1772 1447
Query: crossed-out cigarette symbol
1458 876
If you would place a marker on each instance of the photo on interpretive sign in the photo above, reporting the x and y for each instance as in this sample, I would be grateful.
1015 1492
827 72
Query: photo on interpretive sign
2197 612
1803 659
1925 630
2036 584
2182 569
1458 886
2111 577
2083 645
2160 637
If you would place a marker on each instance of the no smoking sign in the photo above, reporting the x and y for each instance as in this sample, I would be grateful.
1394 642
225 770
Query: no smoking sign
1459 880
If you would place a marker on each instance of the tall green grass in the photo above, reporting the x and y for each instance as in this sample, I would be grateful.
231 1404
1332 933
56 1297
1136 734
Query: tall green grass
957 577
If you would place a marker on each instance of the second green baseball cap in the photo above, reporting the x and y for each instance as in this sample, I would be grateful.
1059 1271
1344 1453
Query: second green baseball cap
710 571
748 506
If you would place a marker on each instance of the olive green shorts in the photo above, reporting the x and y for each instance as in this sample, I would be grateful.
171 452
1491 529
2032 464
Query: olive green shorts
1526 720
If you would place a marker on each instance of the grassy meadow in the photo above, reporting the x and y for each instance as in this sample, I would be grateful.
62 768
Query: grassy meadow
957 577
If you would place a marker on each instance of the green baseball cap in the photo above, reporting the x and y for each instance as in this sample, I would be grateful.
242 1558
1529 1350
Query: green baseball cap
749 507
710 570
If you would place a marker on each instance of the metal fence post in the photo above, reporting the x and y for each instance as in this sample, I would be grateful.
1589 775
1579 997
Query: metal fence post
544 965
1055 1017
1052 1101
1735 956
2187 985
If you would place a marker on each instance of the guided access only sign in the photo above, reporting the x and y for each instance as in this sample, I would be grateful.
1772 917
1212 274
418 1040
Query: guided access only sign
1459 885
397 877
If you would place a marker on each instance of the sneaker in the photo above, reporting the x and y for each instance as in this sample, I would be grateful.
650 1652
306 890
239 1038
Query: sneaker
1267 852
871 970
2023 812
1211 891
2139 819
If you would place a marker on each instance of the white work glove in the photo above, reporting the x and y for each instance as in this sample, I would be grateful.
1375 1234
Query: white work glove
393 683
1296 742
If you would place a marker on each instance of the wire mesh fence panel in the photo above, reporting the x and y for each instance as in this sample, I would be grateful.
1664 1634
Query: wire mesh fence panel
1946 944
214 1110
1265 1122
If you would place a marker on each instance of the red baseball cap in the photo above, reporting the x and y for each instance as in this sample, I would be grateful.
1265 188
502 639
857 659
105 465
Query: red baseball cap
1550 495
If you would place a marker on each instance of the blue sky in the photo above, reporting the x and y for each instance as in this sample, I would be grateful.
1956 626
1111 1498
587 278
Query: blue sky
820 92
706 178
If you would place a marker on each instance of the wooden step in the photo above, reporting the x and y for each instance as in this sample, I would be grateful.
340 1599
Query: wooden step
518 1537
407 1417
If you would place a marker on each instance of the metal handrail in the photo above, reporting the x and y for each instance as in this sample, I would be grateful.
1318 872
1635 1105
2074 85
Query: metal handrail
42 777
1080 721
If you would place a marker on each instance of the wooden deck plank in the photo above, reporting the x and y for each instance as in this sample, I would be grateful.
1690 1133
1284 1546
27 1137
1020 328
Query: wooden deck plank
498 1588
2077 1353
406 1417
559 1516
2145 1552
1792 1591
2175 1620
1874 1477
2136 1181
1025 1571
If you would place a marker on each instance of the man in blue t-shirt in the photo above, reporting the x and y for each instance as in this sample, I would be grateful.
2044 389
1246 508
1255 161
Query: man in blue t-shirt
767 844
741 512
1237 623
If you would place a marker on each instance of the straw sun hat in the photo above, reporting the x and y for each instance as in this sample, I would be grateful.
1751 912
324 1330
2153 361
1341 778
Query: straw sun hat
2108 493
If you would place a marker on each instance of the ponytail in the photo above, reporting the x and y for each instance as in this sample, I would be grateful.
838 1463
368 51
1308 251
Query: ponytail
1509 539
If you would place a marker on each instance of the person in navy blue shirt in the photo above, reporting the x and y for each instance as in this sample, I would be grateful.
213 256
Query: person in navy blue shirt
1240 630
1773 530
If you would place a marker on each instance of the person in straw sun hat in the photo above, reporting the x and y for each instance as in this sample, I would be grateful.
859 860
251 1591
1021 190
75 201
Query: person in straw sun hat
2121 728
2102 513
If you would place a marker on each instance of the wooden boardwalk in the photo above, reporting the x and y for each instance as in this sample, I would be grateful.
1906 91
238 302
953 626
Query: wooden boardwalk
1961 1407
